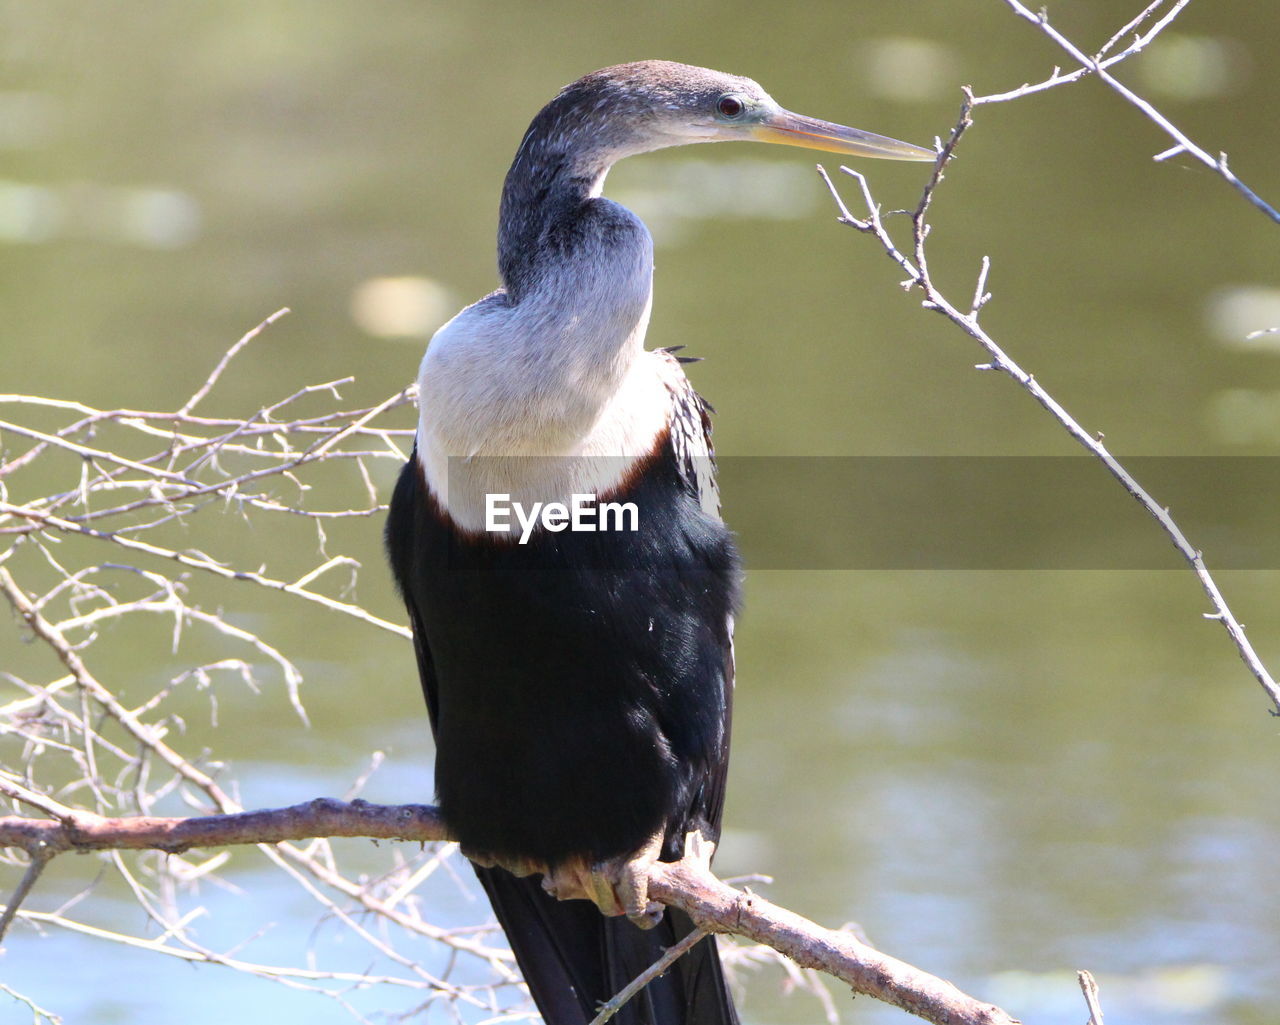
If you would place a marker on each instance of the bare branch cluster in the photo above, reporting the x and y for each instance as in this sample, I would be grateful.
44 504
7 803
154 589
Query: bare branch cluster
159 468
114 520
1100 63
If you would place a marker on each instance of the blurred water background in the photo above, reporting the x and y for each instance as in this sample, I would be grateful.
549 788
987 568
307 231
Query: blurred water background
1002 774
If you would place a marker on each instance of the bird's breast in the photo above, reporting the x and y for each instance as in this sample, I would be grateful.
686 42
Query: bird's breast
548 392
537 447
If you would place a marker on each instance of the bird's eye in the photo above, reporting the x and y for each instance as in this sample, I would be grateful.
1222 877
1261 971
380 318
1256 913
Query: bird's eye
730 107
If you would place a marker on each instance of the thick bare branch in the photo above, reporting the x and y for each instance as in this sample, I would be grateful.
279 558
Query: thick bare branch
721 908
323 817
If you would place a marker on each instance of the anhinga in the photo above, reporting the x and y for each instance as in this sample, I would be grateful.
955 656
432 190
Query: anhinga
579 682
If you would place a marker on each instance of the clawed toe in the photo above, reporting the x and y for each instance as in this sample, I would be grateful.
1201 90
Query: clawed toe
620 886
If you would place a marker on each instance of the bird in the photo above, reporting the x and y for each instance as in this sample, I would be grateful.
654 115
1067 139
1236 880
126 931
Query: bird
578 668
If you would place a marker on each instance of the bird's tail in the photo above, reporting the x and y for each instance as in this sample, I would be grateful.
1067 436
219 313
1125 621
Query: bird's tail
574 959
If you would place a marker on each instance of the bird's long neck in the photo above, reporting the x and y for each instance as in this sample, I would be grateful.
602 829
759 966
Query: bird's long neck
552 179
532 369
577 268
553 364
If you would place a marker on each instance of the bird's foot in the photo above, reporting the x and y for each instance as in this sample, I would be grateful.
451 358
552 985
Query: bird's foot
620 886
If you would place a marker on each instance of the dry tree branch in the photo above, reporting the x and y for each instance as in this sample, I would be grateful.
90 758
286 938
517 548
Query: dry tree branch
208 565
1100 61
227 357
146 735
279 972
39 859
81 831
713 905
1096 65
153 741
38 1013
184 488
967 318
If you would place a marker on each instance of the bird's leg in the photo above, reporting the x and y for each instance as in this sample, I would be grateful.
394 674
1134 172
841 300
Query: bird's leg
620 886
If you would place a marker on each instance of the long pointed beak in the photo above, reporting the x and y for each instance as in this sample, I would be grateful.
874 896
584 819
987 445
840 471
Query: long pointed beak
797 130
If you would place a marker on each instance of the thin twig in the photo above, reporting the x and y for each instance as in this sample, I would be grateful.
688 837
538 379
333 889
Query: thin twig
1089 987
29 877
230 354
207 565
669 957
38 1013
1183 142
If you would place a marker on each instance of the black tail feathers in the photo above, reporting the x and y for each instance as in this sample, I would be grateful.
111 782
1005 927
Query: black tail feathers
574 959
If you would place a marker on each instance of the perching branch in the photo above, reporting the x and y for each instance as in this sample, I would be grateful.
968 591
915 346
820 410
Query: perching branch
711 904
718 907
966 318
81 831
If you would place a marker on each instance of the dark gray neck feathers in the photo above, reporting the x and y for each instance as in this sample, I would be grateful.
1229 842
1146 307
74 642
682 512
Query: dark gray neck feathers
572 143
566 152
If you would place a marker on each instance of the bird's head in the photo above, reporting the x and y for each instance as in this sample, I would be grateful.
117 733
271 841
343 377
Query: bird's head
647 105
